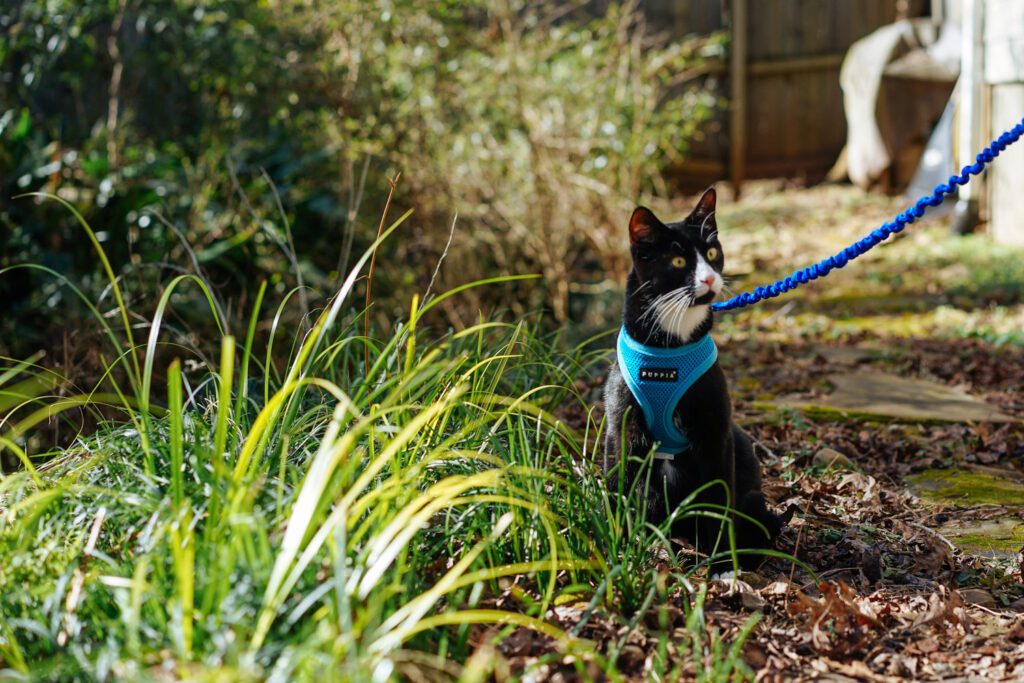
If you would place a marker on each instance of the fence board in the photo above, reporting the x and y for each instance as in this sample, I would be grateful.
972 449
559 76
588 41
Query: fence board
794 120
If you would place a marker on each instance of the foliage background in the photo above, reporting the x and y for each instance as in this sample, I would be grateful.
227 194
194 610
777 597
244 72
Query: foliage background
254 140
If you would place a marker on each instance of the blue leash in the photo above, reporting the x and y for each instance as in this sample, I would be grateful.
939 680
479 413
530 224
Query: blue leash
880 234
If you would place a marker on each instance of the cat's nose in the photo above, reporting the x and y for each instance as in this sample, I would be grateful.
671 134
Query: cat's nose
709 280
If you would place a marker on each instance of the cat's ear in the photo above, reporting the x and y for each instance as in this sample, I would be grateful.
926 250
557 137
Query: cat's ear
705 205
643 225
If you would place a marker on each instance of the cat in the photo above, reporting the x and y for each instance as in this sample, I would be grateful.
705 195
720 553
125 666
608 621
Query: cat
667 320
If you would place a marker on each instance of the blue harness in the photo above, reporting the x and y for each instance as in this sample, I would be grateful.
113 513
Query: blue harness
658 378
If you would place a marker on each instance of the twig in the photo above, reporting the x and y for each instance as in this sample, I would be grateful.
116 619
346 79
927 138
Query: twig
94 531
993 612
393 183
290 252
796 545
934 533
286 247
195 266
779 313
437 268
827 573
114 89
758 442
355 200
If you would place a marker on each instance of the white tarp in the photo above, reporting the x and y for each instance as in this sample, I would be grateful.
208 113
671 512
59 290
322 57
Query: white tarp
866 155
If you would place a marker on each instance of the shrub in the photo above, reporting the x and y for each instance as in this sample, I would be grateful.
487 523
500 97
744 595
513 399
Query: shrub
240 139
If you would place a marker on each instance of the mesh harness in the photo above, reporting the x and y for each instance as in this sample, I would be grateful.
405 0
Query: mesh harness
658 378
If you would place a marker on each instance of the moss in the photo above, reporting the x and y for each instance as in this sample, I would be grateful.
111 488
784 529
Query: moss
748 383
994 538
823 413
980 543
965 487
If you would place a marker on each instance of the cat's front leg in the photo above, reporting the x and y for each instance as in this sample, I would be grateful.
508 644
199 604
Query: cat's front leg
626 442
713 459
632 474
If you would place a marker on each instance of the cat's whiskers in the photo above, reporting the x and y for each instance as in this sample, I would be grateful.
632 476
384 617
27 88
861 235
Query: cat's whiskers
640 288
681 315
662 300
666 308
683 306
672 312
651 307
678 310
674 297
727 285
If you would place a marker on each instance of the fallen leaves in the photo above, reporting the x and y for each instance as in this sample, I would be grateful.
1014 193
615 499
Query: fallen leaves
840 624
895 600
946 612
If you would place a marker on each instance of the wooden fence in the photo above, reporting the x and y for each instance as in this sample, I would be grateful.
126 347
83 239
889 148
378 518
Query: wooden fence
781 81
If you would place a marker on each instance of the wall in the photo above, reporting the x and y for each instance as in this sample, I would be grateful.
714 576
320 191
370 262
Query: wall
1003 31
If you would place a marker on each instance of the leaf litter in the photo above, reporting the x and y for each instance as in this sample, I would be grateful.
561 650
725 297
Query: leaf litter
894 598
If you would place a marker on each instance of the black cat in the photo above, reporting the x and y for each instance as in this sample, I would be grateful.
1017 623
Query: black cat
667 387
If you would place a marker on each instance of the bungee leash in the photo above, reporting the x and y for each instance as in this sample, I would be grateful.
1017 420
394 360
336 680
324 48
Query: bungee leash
878 235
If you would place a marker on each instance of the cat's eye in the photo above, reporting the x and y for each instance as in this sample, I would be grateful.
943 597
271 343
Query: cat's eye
678 262
712 254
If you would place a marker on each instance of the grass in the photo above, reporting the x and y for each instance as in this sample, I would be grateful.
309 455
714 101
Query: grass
307 517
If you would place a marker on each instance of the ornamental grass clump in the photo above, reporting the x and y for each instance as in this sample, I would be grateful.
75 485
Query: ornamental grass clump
288 514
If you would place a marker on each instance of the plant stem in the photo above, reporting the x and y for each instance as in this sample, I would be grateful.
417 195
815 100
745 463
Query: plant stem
393 183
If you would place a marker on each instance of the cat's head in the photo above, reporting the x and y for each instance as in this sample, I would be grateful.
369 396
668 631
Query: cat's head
678 261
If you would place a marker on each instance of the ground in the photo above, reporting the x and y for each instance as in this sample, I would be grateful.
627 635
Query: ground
885 402
912 519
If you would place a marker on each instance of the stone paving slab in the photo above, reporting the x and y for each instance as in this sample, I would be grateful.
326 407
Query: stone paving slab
878 393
